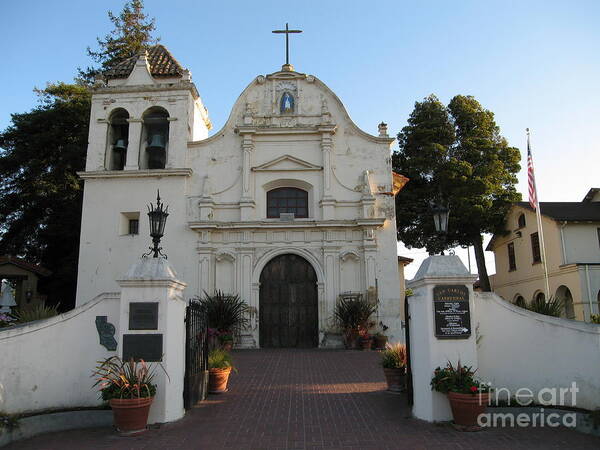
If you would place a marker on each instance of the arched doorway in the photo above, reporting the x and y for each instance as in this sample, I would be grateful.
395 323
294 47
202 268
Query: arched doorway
288 303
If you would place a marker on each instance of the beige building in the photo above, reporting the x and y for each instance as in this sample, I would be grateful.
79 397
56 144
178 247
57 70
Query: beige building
572 244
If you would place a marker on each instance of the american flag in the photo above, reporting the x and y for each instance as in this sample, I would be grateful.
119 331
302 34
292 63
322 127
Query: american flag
530 176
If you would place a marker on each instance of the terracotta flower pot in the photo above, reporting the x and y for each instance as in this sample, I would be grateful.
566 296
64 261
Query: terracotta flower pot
466 407
217 380
131 414
366 343
395 378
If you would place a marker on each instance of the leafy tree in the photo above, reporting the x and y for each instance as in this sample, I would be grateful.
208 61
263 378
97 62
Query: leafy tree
454 155
40 192
132 34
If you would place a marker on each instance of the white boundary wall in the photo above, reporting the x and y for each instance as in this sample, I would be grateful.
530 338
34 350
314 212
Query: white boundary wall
521 349
48 364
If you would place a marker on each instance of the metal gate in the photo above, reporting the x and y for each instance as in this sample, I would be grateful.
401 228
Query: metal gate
409 380
196 355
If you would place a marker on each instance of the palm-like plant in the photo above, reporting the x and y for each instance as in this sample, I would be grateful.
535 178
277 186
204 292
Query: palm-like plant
32 313
553 307
226 313
353 314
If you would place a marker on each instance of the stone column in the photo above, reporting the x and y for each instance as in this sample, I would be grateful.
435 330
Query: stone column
247 200
428 351
159 330
133 144
327 201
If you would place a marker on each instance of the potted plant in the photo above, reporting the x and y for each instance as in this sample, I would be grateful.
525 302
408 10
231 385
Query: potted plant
127 386
379 340
352 315
365 338
468 396
393 361
226 341
227 315
220 366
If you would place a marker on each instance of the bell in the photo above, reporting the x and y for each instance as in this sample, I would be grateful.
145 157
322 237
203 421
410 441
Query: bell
157 141
120 145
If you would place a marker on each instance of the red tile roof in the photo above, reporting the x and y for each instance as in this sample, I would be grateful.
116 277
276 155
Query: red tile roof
161 62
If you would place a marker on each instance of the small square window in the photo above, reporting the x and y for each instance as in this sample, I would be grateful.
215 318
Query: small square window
129 223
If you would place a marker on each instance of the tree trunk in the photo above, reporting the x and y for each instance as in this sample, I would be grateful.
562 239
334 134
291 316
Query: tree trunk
484 281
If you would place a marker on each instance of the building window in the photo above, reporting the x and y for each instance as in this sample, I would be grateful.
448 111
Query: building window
287 200
598 230
521 221
129 223
134 226
512 263
535 248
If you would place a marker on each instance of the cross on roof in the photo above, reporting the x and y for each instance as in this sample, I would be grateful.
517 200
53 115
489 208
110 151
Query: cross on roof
287 32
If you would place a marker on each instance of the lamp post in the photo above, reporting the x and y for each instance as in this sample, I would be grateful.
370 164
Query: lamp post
157 215
440 214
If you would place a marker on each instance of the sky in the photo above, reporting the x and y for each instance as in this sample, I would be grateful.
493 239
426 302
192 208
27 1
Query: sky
534 64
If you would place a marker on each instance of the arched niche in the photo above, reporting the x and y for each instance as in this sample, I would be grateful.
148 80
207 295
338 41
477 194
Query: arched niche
155 138
117 139
225 273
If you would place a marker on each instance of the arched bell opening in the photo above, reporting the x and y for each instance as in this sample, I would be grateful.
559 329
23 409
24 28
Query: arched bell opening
118 136
155 139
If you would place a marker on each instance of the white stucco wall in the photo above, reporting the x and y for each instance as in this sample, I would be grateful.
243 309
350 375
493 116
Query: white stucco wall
47 364
521 349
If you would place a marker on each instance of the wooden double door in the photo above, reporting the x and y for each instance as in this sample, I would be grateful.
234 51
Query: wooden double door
288 303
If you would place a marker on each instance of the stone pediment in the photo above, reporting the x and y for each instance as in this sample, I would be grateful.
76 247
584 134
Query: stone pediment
286 163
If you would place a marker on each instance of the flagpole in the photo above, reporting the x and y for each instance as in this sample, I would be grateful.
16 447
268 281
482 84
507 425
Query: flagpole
538 215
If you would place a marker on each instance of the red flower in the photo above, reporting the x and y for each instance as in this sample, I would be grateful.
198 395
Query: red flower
473 388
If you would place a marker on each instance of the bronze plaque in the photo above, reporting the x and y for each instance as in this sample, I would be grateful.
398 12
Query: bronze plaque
148 347
143 316
451 312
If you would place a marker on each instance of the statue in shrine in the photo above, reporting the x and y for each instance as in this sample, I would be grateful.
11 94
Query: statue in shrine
7 299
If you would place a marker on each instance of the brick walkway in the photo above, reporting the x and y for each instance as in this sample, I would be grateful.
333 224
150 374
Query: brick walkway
305 399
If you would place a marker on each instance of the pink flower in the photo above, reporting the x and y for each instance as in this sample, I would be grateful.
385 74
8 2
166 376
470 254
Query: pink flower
473 389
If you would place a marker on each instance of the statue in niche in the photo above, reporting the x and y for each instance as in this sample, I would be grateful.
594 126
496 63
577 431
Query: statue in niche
287 103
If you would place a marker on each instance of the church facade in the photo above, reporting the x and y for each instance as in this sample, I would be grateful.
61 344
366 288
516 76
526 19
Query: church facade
289 205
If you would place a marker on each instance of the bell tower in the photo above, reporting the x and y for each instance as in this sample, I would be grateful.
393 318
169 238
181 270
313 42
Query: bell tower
144 111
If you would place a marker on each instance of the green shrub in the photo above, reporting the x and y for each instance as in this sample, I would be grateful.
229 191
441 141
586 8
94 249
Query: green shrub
595 318
33 313
394 356
226 313
8 422
459 378
219 359
553 307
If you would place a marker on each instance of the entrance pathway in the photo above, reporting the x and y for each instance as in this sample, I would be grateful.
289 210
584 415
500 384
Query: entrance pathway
309 399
